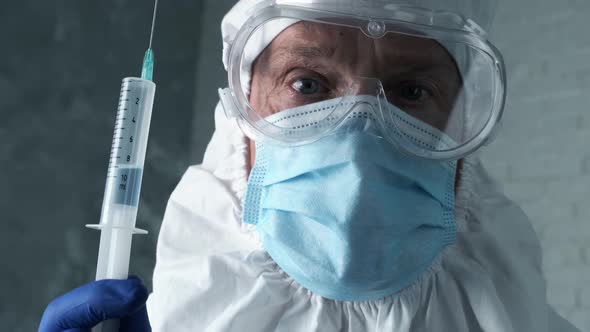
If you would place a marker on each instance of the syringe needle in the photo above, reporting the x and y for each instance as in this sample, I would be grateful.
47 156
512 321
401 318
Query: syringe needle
153 24
147 68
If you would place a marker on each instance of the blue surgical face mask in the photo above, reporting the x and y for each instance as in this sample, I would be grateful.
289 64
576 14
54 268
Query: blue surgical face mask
349 216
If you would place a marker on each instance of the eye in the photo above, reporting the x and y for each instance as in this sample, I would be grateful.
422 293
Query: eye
306 86
414 93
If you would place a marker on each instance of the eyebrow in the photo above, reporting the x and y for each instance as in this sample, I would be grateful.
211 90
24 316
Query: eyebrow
306 51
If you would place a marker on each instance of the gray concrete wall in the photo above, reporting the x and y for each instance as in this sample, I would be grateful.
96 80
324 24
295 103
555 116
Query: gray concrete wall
542 155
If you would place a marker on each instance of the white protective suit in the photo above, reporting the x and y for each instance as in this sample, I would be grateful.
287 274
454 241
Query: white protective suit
212 274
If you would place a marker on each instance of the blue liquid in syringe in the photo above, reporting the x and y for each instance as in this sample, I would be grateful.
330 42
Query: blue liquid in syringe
126 184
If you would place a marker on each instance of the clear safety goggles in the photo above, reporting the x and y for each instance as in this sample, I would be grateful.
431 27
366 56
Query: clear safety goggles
430 80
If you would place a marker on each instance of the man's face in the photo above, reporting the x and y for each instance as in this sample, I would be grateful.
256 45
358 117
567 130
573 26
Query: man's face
310 62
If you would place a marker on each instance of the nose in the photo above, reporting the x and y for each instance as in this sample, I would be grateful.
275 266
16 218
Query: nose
366 86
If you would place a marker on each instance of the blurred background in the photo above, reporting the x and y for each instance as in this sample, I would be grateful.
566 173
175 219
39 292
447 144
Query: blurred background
61 64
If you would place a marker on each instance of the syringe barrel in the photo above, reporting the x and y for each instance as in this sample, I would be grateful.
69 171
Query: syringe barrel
123 185
128 152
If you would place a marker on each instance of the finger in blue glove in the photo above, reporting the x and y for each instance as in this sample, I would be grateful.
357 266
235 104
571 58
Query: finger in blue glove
90 304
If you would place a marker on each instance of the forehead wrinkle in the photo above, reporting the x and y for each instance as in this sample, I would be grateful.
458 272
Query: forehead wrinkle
308 52
307 40
405 54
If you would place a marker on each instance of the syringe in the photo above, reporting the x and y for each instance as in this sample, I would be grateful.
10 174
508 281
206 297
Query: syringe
123 184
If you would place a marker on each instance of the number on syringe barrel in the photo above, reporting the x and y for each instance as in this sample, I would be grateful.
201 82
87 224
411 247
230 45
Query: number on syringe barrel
133 121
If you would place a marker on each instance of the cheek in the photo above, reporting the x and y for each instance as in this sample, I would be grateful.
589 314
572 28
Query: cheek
265 93
260 91
254 97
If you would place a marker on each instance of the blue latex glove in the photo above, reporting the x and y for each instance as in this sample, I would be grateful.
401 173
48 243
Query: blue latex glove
86 306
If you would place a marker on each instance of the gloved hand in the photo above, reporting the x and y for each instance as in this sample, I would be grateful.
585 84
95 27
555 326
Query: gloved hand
86 306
